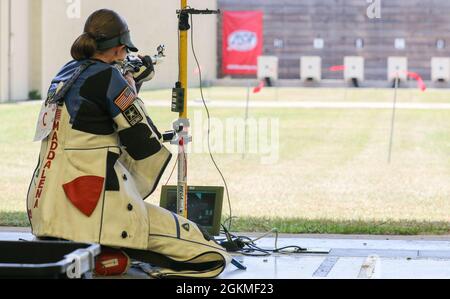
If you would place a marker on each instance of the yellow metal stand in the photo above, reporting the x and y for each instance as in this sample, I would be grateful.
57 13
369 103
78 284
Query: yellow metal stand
183 138
182 189
182 125
184 63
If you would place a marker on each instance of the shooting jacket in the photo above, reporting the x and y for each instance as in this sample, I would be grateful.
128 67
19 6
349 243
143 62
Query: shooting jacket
102 159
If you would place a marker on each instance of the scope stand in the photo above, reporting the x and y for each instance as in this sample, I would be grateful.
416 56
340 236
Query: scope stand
179 105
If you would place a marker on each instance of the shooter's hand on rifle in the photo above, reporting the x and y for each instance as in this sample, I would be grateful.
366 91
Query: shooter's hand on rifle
146 70
138 70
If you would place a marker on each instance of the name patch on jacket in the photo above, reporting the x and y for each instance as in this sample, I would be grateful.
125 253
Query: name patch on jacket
125 99
54 144
133 116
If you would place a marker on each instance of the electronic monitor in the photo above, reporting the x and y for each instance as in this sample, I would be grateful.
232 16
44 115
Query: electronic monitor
204 205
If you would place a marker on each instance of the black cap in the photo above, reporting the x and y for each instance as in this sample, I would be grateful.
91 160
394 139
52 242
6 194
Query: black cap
122 39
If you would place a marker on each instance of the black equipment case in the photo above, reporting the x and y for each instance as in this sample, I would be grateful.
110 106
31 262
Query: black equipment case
47 259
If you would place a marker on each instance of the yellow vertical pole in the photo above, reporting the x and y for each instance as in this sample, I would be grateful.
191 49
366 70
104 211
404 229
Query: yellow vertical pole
182 189
184 64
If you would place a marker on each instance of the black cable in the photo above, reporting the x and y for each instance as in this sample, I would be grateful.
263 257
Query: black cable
209 122
298 249
247 246
241 244
179 58
173 169
229 219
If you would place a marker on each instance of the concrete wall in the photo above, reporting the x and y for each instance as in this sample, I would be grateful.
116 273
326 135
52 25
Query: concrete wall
151 23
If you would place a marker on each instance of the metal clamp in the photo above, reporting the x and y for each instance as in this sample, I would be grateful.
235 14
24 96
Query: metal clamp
82 261
181 127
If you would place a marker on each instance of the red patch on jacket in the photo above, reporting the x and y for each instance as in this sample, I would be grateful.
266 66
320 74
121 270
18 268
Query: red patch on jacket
84 193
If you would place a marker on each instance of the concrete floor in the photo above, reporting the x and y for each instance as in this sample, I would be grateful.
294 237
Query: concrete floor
352 257
348 257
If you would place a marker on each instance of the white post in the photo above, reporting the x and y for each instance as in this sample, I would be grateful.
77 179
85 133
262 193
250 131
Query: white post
19 72
277 95
246 119
5 29
345 91
14 50
391 141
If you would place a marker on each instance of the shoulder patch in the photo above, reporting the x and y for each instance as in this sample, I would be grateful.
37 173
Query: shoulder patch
133 116
125 99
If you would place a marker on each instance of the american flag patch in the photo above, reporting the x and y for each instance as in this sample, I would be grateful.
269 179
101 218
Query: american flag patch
125 99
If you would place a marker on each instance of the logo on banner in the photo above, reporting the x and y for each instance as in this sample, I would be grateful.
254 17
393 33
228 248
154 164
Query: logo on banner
242 41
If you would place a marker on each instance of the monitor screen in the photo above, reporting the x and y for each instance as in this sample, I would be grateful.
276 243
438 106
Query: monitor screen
201 206
204 205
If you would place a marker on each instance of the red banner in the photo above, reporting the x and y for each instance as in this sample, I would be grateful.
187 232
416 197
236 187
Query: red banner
242 42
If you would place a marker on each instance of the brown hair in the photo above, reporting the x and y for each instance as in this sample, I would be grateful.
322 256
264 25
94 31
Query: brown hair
103 24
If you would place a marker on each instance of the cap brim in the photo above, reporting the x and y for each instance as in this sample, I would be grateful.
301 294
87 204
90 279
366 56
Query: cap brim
126 41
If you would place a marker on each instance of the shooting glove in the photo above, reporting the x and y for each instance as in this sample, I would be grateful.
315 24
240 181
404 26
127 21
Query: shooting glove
145 71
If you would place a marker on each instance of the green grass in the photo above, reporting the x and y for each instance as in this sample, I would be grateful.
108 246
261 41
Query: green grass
326 226
311 94
332 175
14 219
302 226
